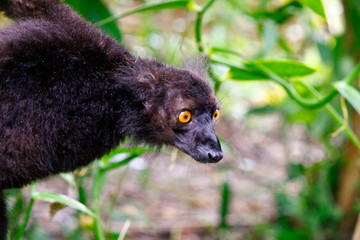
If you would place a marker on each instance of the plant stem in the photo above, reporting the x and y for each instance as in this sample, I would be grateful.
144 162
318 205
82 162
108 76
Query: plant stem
98 180
198 24
353 76
198 38
27 216
207 5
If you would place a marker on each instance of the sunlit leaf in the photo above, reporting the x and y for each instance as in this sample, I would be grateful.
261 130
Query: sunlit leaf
238 73
62 199
131 151
315 5
283 68
249 71
115 164
351 94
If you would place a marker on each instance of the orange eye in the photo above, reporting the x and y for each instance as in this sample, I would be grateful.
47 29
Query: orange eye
184 117
216 115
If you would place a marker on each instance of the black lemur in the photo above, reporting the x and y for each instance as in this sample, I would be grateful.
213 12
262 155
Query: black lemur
69 94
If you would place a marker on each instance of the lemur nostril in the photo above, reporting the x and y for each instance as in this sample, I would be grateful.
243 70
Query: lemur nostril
216 157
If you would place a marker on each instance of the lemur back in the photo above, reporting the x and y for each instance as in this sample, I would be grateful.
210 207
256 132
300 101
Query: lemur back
69 94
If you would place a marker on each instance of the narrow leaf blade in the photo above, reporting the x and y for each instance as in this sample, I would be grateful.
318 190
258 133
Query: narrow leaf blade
244 74
283 68
351 94
238 72
225 203
62 199
315 5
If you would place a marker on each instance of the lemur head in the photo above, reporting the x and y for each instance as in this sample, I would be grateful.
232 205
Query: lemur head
181 109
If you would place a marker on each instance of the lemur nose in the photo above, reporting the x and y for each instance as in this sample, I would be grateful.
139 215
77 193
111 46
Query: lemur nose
215 156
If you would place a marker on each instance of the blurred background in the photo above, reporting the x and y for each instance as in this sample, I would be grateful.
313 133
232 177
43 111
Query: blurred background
290 169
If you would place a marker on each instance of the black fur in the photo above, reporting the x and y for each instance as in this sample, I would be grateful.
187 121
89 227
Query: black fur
69 94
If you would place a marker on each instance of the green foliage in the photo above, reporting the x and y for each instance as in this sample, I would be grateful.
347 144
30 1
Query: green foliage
59 201
62 199
249 70
315 5
312 214
350 93
95 13
279 15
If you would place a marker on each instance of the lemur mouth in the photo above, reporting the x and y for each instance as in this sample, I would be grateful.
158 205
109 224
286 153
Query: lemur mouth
209 155
210 152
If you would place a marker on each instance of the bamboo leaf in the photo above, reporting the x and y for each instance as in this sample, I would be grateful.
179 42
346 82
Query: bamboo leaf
351 94
315 5
131 151
238 73
146 7
250 71
283 68
62 199
112 165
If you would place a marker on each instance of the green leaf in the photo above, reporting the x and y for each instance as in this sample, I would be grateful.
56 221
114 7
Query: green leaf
147 7
351 94
94 11
116 164
280 15
131 151
283 68
225 203
62 199
315 5
223 50
238 71
69 178
249 71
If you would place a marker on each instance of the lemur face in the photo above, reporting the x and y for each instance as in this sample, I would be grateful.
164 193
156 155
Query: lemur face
182 110
195 133
192 112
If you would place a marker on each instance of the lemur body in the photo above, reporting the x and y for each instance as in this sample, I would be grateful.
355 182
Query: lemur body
69 94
